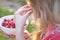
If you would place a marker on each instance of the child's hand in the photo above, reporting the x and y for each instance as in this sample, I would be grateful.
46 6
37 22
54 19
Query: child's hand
20 21
27 35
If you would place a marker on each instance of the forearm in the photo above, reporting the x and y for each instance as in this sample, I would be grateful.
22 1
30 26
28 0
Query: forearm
19 34
20 21
19 30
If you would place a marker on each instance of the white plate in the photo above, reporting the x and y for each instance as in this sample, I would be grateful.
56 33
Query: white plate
8 30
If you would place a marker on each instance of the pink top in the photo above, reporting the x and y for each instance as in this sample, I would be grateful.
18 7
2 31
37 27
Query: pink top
52 33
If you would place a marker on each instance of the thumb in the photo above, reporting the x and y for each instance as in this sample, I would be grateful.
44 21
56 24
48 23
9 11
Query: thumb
28 13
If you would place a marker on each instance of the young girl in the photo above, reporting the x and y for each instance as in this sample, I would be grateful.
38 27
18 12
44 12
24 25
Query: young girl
49 17
47 12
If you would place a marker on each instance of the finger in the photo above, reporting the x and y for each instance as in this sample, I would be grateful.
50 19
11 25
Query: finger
25 6
28 13
26 32
28 38
23 10
12 36
26 35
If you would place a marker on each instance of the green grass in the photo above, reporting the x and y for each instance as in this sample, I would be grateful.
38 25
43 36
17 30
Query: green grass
2 37
31 27
4 12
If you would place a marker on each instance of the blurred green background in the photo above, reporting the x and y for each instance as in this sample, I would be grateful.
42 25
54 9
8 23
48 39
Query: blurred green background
4 12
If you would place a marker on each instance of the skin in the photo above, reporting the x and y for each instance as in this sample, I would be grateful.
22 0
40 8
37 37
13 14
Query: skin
20 20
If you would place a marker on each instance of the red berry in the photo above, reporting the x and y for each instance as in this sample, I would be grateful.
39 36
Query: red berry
3 24
5 20
12 19
7 26
8 23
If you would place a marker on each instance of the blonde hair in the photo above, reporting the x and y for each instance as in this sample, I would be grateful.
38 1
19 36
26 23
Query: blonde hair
47 11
